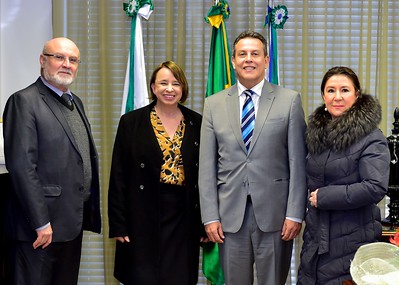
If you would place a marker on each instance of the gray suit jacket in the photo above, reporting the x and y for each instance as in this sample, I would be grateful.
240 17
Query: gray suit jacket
273 170
46 168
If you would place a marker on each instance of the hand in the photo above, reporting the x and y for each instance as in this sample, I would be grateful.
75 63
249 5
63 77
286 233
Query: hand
290 230
123 239
204 239
313 198
44 237
214 232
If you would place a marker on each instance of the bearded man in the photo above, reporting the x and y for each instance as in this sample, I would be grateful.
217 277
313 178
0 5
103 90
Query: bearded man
53 165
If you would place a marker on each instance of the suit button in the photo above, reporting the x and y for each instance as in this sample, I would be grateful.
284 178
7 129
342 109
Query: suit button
141 187
196 164
142 165
196 143
191 123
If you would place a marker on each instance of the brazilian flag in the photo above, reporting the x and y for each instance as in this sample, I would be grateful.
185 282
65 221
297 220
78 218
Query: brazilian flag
220 76
220 73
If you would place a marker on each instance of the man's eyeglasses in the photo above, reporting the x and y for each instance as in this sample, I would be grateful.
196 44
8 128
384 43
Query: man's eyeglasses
61 58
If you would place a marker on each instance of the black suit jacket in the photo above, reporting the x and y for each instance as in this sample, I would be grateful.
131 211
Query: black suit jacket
46 168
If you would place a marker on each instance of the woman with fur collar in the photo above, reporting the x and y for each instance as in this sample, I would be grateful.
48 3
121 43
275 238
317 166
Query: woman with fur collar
347 171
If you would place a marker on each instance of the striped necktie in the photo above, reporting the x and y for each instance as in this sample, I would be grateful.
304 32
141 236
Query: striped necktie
248 118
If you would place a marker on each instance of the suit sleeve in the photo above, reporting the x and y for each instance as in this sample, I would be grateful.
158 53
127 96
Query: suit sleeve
297 159
21 154
208 168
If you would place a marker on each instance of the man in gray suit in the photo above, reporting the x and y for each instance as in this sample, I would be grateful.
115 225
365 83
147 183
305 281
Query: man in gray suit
253 194
53 165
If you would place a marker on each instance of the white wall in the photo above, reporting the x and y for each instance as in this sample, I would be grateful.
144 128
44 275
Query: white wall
25 26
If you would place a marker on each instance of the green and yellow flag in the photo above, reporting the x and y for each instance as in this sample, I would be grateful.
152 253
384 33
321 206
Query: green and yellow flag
220 76
220 73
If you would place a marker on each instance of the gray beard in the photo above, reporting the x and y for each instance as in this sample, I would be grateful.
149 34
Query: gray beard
58 80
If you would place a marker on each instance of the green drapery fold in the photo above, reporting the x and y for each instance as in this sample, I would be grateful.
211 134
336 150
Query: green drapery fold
211 264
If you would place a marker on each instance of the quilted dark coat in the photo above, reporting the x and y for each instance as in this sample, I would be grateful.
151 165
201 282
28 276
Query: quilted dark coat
348 161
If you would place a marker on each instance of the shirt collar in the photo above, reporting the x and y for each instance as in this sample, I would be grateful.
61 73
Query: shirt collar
55 89
257 89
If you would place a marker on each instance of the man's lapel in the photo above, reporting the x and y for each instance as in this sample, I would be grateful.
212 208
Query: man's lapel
54 107
265 103
233 115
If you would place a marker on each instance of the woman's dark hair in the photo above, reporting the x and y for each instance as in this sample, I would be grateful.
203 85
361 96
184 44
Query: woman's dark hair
177 72
345 71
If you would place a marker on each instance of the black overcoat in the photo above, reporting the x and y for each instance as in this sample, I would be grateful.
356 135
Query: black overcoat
133 199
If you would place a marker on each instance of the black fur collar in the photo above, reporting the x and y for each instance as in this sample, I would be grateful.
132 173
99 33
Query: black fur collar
325 133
